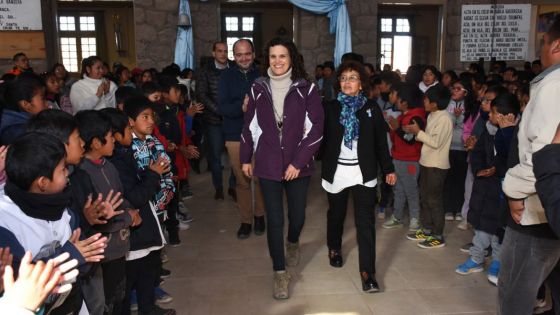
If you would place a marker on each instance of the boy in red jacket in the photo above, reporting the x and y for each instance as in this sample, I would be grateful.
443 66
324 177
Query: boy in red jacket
406 154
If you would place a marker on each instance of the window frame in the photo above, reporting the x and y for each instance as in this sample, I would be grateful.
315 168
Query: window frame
78 34
391 35
240 33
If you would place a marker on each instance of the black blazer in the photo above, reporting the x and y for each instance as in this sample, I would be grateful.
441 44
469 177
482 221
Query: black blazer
372 141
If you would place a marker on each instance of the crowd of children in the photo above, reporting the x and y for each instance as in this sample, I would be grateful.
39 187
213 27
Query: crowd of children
107 186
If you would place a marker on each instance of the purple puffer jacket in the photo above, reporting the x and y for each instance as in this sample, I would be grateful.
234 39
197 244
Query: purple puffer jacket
302 130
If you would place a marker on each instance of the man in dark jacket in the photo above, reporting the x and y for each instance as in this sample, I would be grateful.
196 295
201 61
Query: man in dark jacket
233 89
207 94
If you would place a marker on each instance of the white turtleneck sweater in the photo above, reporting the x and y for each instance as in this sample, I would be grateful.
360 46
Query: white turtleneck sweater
279 86
83 95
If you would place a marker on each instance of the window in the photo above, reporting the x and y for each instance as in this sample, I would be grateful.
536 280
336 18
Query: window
78 39
395 47
236 27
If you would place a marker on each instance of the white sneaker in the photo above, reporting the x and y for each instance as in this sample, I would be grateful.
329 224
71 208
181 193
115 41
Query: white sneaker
464 225
414 224
458 217
183 226
449 216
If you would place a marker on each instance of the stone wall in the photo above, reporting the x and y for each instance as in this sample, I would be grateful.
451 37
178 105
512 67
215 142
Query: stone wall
206 27
156 30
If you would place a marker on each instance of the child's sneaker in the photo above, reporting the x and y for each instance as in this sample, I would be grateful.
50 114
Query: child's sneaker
392 223
449 216
432 242
418 235
466 248
469 266
414 224
464 225
133 301
493 272
162 296
458 217
381 213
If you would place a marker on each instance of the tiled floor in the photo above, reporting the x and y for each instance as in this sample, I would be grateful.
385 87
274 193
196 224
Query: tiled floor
215 273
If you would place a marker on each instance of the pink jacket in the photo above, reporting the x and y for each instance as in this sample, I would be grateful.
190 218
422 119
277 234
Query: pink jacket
468 126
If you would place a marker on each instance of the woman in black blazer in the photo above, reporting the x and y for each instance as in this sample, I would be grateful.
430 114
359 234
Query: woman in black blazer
355 142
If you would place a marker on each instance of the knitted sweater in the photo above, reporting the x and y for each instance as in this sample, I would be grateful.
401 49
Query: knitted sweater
437 140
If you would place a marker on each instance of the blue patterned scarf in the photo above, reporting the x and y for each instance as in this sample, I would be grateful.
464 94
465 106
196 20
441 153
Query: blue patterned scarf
350 105
149 150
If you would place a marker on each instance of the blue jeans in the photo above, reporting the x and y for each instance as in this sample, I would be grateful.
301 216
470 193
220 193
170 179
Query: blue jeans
215 140
406 188
273 195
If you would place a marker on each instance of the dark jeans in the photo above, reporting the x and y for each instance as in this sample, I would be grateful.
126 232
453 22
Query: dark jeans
273 195
114 285
454 191
364 217
172 224
432 216
215 141
525 264
142 275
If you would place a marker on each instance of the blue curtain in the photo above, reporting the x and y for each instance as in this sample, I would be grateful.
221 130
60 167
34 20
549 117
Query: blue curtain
184 46
339 22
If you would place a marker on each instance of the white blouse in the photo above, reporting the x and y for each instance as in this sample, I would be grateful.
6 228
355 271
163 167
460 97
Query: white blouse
348 172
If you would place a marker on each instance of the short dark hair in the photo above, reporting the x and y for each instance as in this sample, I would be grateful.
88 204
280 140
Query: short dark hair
17 56
356 66
506 103
215 45
167 82
410 93
117 119
298 68
125 92
243 40
439 95
54 122
352 56
92 125
23 88
31 156
496 88
135 105
329 64
554 30
389 77
150 87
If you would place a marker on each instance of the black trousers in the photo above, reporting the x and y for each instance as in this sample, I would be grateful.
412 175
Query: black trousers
454 191
142 275
273 193
432 216
114 285
364 217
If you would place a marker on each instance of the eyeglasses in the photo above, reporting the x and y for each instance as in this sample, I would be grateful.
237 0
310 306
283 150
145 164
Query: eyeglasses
351 79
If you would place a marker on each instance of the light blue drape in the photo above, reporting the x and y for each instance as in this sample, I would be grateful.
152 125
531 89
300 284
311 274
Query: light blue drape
184 46
339 22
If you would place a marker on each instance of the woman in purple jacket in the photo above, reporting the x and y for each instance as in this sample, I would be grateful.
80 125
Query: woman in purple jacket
283 129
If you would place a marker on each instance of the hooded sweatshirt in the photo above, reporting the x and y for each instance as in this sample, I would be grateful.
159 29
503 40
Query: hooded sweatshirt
12 125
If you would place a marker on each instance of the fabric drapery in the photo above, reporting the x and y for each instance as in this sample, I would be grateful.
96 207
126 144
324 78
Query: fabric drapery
339 22
184 45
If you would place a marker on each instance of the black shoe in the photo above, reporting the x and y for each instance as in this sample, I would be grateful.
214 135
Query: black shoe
259 225
244 231
369 284
335 258
161 311
219 195
174 240
164 273
232 193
